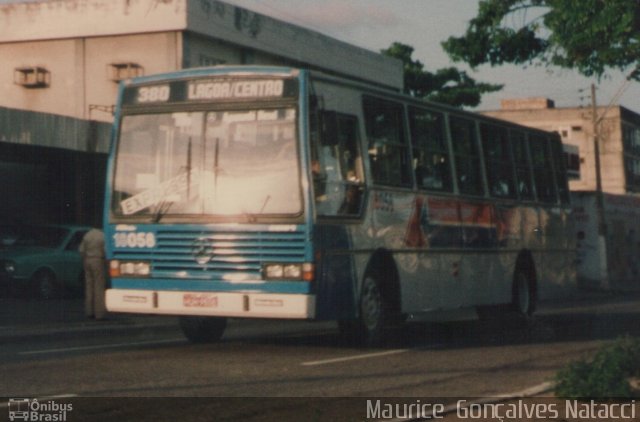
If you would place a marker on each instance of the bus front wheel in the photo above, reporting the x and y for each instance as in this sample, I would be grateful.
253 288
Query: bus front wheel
203 329
369 328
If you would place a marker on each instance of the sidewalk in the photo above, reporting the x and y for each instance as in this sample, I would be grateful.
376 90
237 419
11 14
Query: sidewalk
25 319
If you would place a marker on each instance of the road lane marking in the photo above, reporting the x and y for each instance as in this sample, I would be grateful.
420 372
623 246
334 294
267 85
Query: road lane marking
100 347
355 357
545 387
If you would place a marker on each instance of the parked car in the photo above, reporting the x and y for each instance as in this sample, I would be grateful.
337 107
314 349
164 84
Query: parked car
44 260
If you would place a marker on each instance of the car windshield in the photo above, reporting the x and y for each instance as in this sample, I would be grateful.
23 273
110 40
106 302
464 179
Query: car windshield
41 236
208 163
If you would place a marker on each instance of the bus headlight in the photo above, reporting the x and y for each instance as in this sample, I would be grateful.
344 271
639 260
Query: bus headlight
304 271
292 271
129 268
273 271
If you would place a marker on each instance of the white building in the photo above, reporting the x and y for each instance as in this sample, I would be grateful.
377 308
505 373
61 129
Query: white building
66 57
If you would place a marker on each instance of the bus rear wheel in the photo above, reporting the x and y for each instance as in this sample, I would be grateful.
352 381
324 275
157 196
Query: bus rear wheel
524 298
203 329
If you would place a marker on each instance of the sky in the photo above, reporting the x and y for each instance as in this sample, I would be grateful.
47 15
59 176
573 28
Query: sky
424 24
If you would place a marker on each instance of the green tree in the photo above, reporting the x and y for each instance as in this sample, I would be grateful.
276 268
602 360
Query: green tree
591 36
449 85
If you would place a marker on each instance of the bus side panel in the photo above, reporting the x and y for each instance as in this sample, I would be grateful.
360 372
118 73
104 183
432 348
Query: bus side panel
416 230
336 280
555 268
509 243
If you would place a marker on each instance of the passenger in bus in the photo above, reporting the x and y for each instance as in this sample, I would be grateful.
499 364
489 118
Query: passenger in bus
500 189
319 181
352 199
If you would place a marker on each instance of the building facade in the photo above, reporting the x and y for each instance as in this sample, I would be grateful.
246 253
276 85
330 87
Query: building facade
64 59
609 253
67 56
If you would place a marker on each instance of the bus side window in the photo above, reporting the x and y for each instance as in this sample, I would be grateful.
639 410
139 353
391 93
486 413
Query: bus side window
430 152
388 148
542 168
498 161
338 166
467 157
560 170
524 184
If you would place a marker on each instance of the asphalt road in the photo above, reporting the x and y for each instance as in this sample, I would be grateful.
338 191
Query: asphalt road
282 370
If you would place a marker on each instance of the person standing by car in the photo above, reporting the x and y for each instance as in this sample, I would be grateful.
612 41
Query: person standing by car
92 251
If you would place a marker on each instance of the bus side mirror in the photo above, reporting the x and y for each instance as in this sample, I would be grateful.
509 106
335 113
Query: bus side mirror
328 128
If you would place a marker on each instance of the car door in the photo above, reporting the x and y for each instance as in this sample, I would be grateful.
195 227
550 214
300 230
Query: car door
71 260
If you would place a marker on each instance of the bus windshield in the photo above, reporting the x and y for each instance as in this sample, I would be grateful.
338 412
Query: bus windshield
208 163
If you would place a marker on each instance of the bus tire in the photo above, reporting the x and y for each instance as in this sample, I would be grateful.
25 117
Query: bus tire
374 313
203 329
523 302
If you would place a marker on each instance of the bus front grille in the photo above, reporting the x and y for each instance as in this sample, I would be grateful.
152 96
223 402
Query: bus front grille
220 255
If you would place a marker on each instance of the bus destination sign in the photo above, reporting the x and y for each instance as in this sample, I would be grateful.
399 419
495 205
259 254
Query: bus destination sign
208 90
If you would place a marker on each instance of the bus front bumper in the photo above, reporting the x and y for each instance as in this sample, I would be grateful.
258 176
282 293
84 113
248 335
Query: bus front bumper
223 304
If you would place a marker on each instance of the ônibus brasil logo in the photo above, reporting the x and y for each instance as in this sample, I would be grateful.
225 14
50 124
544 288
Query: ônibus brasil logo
35 410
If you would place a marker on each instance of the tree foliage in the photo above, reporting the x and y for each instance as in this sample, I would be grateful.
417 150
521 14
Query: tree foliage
591 36
449 85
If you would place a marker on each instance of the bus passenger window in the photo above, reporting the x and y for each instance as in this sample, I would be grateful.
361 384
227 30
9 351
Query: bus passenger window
560 169
337 171
430 152
524 184
543 175
498 161
467 157
388 149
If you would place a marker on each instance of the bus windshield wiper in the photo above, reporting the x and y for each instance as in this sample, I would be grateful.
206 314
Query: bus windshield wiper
165 204
264 204
162 210
252 218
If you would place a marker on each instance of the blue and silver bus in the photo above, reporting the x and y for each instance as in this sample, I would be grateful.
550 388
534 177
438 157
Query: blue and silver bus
270 192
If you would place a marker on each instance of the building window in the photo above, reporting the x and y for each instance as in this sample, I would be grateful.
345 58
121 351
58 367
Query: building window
32 77
121 71
571 155
631 143
204 60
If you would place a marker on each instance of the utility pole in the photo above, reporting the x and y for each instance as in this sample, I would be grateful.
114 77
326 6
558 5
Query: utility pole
602 222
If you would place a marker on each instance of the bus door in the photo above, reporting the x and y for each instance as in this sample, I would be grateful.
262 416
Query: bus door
338 186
